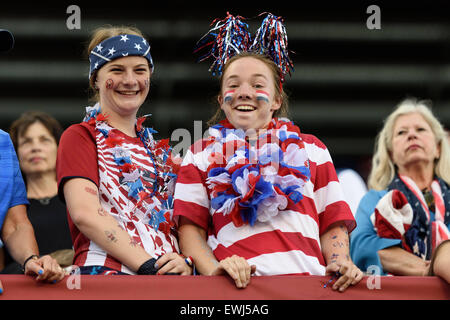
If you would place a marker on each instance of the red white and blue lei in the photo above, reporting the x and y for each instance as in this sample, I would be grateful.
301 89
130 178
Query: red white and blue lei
253 182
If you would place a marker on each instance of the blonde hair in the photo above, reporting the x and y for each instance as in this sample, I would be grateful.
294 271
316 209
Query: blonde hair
279 91
383 169
100 34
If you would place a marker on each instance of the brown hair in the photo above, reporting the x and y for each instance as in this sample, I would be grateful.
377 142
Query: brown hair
99 35
279 91
20 125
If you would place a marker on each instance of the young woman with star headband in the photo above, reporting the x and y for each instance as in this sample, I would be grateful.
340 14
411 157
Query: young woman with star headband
117 180
258 196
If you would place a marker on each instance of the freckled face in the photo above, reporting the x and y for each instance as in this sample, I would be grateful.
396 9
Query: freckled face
248 94
123 84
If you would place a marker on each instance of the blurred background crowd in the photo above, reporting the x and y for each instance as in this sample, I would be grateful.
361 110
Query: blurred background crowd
347 77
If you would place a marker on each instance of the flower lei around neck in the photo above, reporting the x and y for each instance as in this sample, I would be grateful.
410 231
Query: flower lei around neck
142 185
255 182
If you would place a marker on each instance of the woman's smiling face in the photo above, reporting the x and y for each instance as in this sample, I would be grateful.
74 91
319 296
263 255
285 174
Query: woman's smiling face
248 96
123 84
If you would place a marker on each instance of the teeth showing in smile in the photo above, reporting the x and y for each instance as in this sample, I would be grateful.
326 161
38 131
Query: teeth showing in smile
128 93
245 108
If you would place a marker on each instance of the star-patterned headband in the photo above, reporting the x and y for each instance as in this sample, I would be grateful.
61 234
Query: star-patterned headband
117 47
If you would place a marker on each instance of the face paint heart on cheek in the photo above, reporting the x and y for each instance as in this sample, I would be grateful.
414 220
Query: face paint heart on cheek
109 84
147 83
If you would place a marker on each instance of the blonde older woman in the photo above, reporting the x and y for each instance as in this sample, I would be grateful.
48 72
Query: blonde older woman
406 214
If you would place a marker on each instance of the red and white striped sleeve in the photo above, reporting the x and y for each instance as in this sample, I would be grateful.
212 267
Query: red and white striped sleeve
191 198
327 192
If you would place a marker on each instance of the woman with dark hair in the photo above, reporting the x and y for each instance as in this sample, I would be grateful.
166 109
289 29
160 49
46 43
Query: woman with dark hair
35 136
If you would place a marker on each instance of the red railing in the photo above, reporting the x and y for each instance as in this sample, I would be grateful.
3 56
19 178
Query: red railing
19 287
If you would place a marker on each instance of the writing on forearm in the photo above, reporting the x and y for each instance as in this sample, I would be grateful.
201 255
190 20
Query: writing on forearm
111 236
334 258
344 229
337 242
340 241
134 243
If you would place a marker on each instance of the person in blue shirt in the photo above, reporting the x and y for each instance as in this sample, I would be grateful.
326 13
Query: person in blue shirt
405 217
16 231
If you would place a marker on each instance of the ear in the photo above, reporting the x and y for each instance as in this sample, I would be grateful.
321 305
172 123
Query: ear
220 100
438 149
277 102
